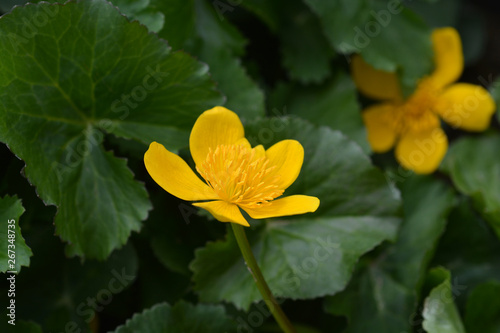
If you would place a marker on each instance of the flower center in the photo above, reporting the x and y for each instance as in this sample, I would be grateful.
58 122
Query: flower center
240 175
416 114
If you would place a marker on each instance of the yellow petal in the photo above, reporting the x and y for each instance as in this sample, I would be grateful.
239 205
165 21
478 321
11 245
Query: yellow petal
422 152
174 175
224 212
374 83
214 127
287 156
379 121
448 56
466 106
292 205
244 142
259 151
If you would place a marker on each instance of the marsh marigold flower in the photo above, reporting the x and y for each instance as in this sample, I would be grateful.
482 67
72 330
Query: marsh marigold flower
235 174
413 125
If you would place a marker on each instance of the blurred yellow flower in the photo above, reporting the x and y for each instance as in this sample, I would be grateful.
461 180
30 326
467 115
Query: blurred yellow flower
413 124
236 175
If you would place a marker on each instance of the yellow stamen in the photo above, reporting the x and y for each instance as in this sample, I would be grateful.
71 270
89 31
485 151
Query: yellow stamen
416 114
238 176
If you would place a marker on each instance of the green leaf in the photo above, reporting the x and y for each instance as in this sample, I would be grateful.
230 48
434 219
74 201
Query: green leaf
180 16
474 166
14 252
180 318
440 313
427 204
141 11
312 255
243 95
383 294
469 248
305 50
373 300
380 31
62 90
216 32
482 314
219 44
333 104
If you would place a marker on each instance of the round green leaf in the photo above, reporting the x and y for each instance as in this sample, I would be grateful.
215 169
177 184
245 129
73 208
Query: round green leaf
383 294
181 318
380 31
474 166
68 75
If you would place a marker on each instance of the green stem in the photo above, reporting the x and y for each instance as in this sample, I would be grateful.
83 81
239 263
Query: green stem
267 295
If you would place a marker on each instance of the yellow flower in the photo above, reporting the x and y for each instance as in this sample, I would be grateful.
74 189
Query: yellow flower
413 125
235 174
